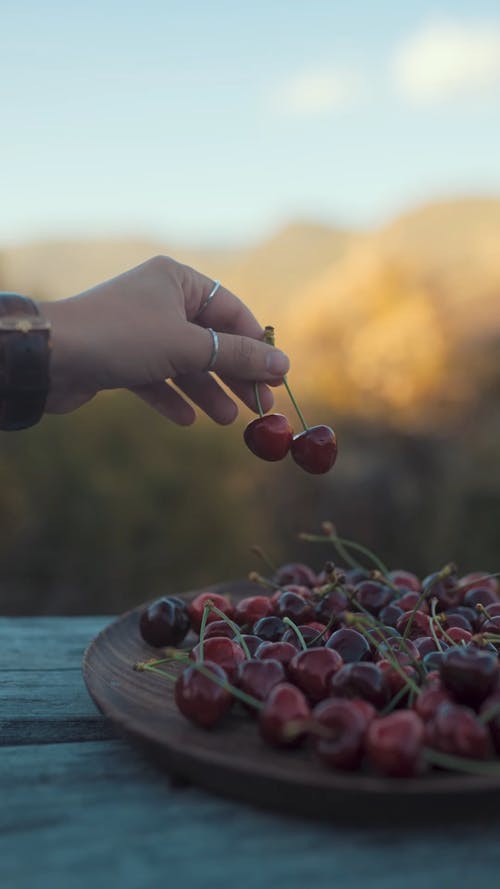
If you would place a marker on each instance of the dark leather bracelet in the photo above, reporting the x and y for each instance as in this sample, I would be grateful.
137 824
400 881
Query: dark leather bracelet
24 362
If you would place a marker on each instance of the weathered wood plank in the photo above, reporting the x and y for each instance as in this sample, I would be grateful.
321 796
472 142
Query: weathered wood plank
46 643
38 707
79 815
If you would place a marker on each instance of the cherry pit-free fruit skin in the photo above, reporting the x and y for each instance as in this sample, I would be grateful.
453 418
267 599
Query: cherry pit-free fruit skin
199 698
285 710
315 449
269 437
164 622
341 746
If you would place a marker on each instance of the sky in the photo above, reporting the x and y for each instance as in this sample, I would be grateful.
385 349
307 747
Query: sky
214 123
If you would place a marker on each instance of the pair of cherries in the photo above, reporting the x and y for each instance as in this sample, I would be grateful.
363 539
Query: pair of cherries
271 436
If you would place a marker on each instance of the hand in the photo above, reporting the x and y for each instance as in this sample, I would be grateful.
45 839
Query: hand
140 329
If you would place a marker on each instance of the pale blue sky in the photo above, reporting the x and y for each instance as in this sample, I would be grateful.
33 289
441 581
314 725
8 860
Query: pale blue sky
215 122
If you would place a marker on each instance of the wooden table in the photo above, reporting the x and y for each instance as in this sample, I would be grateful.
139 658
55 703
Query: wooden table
81 808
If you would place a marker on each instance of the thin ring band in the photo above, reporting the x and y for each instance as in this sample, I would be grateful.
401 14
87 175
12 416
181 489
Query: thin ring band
208 299
215 349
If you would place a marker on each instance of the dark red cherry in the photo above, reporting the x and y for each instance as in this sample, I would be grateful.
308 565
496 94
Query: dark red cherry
295 573
269 629
457 731
343 748
373 596
219 628
394 743
309 635
248 611
197 607
350 644
332 603
199 698
269 437
252 642
362 680
164 622
258 677
482 595
479 578
427 702
222 651
295 607
284 711
315 449
405 579
279 651
311 670
394 679
419 624
390 615
408 601
491 709
469 674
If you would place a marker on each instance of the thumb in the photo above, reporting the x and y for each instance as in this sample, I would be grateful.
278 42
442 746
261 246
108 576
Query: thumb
240 357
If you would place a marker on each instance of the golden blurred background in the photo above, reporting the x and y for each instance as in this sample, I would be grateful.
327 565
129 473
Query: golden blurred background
394 337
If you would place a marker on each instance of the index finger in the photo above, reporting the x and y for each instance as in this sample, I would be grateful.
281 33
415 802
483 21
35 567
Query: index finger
225 312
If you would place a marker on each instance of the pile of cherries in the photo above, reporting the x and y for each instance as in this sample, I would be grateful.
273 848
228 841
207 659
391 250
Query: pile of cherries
271 436
373 669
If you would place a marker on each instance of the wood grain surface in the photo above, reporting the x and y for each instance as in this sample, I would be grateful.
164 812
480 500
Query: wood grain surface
232 759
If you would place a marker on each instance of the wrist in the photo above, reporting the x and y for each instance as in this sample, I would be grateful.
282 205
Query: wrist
67 371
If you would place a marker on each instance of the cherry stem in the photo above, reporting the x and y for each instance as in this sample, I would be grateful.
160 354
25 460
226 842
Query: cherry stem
257 399
269 338
261 553
236 692
149 668
331 537
461 764
255 577
357 620
235 628
489 714
432 625
441 575
203 625
294 627
377 624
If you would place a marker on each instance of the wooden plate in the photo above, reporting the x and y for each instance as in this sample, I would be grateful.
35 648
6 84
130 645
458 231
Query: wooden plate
233 761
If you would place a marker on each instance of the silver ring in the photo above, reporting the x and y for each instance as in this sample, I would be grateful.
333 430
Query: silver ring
215 349
208 299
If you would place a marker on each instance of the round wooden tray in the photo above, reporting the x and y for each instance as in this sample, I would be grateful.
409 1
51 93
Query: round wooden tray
233 761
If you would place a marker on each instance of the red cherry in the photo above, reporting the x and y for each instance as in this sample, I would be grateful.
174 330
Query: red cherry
312 669
420 624
456 730
373 596
394 743
253 608
408 601
279 651
293 606
429 700
199 698
164 622
284 706
219 628
315 449
221 651
393 678
479 578
258 677
295 573
469 674
361 680
347 726
197 606
405 579
269 437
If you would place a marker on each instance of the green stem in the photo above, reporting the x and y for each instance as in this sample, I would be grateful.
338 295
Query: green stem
236 692
203 625
297 408
264 556
423 595
461 764
235 628
432 622
148 668
257 399
380 626
332 538
294 627
489 714
387 655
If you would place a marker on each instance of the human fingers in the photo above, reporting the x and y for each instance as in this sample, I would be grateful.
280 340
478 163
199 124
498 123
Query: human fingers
164 399
204 390
224 311
231 355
